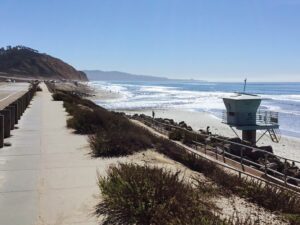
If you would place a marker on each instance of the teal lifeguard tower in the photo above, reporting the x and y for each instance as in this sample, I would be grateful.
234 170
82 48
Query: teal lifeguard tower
242 112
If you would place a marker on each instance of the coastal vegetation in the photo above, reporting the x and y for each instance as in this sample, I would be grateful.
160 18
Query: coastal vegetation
134 194
269 197
113 134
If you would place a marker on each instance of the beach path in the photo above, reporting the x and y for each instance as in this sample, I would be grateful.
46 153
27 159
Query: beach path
47 176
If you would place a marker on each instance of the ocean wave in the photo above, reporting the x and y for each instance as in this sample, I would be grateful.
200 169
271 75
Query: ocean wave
149 96
146 96
280 97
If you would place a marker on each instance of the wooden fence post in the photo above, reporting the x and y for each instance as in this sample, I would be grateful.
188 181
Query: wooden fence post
1 131
242 157
266 169
284 170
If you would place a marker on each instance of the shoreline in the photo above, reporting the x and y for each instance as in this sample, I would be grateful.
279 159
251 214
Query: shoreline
288 146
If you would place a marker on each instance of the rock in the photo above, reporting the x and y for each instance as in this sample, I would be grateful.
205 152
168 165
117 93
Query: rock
189 128
202 131
182 124
266 148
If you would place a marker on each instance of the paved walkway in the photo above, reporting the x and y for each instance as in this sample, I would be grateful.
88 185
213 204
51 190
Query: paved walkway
47 176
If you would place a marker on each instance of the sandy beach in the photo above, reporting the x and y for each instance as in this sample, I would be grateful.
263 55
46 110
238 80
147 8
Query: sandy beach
288 147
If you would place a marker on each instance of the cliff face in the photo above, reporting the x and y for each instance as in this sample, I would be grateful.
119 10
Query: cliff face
26 62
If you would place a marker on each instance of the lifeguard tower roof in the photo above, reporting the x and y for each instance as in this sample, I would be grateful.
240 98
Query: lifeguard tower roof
245 96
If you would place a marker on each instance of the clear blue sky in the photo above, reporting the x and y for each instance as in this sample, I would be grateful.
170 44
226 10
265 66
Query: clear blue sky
210 40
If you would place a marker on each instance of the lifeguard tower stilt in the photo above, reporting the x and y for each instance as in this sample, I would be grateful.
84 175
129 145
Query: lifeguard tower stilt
243 114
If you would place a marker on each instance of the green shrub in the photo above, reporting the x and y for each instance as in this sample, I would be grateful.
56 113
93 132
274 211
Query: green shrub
143 195
121 139
85 121
60 96
293 219
70 108
111 134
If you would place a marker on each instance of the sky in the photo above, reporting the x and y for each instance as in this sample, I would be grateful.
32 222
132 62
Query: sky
214 40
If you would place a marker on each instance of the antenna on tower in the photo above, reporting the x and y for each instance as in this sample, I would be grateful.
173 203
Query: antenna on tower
245 84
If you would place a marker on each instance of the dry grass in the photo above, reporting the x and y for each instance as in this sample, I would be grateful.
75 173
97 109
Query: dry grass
135 194
269 197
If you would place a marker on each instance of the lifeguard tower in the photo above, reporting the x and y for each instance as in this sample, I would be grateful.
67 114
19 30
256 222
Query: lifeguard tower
242 112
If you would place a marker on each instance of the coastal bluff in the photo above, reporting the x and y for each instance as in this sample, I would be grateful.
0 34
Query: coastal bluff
24 62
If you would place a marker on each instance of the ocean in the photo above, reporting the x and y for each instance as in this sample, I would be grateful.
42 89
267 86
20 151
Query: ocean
283 98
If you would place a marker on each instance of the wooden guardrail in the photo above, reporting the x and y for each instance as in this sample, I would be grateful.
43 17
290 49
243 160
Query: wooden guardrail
269 179
226 141
12 109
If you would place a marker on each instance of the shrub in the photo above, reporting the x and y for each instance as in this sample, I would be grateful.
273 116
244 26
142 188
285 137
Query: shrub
60 96
293 219
175 135
38 88
111 134
84 121
143 195
70 108
121 139
73 98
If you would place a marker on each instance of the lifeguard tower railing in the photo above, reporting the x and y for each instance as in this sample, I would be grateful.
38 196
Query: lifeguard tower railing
261 118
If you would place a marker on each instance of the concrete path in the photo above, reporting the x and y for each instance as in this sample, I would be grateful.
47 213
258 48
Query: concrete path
47 176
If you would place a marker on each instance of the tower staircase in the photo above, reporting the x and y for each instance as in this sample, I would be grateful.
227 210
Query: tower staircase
274 135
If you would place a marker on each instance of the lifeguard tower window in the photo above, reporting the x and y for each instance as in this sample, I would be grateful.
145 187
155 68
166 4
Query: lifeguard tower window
274 119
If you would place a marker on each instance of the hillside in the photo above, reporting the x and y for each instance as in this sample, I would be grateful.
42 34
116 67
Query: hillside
26 62
119 76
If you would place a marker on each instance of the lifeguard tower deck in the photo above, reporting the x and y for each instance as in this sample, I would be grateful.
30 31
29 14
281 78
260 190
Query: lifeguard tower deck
242 112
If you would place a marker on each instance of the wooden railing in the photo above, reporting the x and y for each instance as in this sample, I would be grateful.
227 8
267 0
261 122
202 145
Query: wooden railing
221 154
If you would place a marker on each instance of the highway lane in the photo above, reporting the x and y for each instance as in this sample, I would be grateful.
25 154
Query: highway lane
9 92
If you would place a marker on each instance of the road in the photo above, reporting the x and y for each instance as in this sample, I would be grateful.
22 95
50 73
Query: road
9 92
